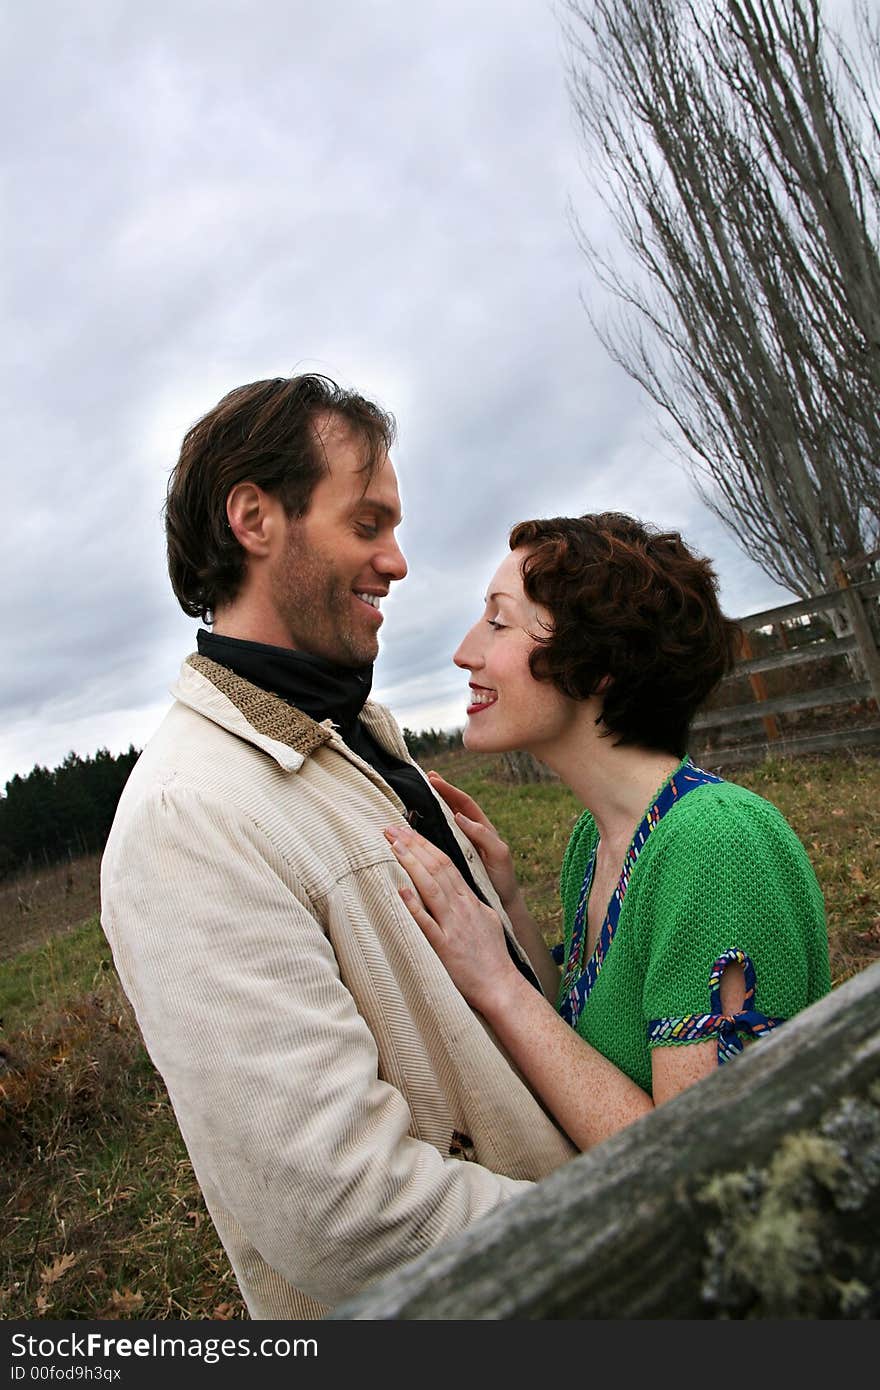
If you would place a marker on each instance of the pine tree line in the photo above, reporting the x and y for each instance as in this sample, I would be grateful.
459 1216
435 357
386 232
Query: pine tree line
52 815
430 741
49 816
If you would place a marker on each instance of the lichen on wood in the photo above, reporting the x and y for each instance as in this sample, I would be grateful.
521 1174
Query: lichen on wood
795 1238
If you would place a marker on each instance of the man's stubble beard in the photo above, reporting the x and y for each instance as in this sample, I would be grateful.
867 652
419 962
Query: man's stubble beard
316 607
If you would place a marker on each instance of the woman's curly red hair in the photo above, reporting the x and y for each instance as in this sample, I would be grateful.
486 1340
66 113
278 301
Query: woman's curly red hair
631 603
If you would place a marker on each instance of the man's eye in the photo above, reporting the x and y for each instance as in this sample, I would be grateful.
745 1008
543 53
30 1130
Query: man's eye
369 529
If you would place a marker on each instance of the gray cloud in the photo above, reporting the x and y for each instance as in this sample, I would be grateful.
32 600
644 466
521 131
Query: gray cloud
202 194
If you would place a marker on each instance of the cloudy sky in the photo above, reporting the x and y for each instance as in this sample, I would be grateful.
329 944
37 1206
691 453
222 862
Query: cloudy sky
202 193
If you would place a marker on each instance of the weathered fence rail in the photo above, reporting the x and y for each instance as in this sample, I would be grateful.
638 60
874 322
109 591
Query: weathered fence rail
755 1193
856 601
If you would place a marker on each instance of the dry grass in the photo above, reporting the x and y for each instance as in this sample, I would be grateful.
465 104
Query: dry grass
100 1214
832 805
37 905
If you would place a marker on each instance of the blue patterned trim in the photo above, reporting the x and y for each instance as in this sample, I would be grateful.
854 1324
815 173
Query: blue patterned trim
726 1027
578 979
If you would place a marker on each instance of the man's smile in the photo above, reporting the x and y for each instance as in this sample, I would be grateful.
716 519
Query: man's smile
370 599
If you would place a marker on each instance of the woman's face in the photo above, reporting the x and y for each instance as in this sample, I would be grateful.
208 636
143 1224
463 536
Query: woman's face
508 708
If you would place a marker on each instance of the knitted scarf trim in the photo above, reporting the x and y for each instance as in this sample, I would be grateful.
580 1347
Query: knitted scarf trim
265 713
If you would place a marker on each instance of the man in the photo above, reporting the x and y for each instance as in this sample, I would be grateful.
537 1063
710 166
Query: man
327 1077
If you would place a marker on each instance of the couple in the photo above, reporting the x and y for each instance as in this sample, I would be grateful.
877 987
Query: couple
366 1042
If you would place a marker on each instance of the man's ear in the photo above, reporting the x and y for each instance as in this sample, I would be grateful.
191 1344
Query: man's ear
605 684
253 517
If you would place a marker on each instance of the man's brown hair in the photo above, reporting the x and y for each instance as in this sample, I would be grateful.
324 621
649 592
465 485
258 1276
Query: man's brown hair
632 603
261 433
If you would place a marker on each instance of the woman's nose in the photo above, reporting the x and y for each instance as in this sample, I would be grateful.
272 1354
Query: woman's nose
467 656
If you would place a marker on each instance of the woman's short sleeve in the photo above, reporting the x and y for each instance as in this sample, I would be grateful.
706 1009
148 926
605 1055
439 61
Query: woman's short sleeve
729 882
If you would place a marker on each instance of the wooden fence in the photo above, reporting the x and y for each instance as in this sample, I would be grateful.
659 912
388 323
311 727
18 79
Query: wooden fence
779 639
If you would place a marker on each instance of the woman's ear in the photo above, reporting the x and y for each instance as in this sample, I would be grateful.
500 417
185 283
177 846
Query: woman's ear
605 684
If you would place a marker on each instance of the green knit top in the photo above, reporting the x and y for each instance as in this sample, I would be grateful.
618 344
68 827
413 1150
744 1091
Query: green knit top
722 870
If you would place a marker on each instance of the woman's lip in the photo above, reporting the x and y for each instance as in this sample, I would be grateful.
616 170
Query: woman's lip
477 706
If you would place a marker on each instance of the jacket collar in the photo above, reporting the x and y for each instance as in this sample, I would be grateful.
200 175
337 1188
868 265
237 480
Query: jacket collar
288 735
266 721
319 688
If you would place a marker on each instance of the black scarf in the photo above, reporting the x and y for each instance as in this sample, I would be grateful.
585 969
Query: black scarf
325 691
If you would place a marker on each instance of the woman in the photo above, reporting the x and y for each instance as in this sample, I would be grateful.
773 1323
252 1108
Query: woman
693 920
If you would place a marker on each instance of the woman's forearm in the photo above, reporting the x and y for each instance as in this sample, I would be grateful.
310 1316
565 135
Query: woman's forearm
587 1095
529 936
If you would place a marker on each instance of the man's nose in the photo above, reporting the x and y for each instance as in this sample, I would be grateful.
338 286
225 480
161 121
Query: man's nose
392 561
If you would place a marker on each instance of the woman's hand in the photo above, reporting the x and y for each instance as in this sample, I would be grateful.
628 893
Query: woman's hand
473 821
498 863
466 934
586 1093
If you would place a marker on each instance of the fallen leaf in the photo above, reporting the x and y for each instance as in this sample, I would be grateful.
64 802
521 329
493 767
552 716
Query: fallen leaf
872 933
857 874
51 1273
42 1303
223 1312
196 1217
837 811
122 1303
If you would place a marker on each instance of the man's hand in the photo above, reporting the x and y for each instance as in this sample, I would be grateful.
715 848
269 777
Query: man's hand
473 821
466 934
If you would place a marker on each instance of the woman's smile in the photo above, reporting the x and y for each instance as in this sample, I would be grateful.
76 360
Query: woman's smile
481 698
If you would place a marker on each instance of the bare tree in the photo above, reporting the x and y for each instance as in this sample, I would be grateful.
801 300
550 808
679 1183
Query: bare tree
736 146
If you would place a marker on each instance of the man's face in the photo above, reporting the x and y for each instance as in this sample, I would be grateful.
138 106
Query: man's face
340 558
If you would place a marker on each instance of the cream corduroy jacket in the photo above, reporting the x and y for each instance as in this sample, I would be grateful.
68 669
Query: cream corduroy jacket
327 1077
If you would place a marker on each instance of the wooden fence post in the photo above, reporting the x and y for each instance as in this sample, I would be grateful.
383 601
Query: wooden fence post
782 634
862 630
520 767
759 688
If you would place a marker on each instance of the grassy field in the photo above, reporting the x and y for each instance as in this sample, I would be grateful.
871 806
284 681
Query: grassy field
100 1215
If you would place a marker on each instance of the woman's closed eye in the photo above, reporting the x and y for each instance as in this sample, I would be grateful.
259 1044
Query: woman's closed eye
494 623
